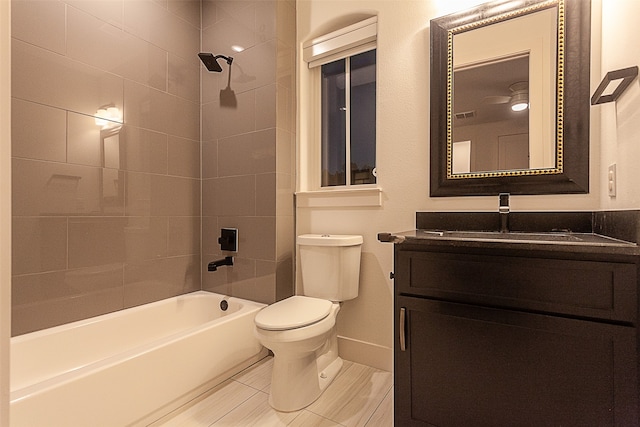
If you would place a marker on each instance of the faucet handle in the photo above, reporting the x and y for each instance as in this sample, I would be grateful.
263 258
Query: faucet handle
504 203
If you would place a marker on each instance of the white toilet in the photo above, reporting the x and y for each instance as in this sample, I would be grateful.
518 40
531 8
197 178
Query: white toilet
301 330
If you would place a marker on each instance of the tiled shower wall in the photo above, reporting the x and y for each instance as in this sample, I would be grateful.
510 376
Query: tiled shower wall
248 136
104 219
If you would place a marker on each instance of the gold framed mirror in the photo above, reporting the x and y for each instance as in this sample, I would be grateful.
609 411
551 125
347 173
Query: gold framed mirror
488 61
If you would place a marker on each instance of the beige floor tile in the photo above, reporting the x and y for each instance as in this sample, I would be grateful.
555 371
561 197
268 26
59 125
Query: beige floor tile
257 375
383 416
256 412
354 395
359 396
309 419
210 407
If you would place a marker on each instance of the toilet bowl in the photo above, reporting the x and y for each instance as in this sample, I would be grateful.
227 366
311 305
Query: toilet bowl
301 330
305 356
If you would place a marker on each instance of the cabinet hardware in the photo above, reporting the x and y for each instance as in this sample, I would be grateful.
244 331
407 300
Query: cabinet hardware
403 316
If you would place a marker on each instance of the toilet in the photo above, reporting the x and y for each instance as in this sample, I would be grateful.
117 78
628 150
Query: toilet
301 330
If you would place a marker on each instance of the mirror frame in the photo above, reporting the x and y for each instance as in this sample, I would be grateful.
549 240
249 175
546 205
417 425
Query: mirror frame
571 173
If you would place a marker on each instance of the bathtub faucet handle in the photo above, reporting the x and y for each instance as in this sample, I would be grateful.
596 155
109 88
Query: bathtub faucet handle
213 265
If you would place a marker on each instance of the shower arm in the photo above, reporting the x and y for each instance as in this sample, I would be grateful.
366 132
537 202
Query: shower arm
229 59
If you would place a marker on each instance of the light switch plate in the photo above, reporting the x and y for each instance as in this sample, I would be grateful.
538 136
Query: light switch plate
612 180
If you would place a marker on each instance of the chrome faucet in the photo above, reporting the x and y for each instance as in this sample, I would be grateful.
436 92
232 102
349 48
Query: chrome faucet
503 210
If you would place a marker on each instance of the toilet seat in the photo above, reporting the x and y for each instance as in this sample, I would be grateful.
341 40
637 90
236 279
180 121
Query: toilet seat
294 312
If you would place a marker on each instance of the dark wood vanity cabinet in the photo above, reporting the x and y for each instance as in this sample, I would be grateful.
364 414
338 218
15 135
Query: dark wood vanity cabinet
494 335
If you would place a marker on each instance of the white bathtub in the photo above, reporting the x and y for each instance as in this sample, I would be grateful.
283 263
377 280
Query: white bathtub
133 366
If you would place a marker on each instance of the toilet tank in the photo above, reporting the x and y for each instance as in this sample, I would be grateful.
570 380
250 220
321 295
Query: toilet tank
330 265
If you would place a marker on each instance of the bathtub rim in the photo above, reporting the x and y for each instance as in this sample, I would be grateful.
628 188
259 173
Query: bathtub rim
15 395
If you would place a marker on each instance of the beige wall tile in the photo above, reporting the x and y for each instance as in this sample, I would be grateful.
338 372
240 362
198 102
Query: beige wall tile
175 196
96 241
285 283
210 234
159 195
284 195
38 131
145 238
285 149
256 236
184 236
286 22
211 83
152 109
266 107
220 122
233 196
189 10
184 78
78 87
109 11
45 188
84 140
249 153
45 300
149 281
209 159
184 157
93 41
38 244
209 191
266 194
258 65
144 150
236 27
152 22
40 23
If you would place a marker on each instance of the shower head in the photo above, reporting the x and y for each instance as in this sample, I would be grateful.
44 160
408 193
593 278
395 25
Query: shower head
211 62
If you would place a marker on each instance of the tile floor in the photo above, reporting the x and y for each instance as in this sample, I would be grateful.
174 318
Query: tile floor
359 396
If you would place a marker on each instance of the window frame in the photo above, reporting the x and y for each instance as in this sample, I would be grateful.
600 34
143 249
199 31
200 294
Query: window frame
310 191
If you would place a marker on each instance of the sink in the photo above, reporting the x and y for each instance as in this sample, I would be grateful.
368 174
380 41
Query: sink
524 237
520 236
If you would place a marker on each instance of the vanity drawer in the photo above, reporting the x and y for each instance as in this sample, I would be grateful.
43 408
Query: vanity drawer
592 289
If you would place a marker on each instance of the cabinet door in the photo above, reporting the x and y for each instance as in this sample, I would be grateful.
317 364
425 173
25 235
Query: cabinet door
467 365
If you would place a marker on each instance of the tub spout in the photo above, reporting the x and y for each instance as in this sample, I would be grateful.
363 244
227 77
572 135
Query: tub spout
213 265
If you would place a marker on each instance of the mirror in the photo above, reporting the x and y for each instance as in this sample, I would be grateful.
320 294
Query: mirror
486 63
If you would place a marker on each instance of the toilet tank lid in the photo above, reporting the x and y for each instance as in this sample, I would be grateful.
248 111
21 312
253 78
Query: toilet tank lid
329 240
294 312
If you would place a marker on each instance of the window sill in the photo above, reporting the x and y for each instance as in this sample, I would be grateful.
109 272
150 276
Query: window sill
353 197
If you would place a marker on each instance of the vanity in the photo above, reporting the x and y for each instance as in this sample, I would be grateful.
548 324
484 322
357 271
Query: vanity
533 327
514 318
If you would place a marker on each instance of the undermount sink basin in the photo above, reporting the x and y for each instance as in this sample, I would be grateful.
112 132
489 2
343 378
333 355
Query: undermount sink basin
525 237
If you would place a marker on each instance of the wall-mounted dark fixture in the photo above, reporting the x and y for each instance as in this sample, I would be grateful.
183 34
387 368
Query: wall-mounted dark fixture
213 265
211 61
623 77
228 239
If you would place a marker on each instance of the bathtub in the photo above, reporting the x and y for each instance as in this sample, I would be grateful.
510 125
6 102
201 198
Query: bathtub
133 366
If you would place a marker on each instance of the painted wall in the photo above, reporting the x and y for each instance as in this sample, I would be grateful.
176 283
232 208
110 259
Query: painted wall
620 131
365 324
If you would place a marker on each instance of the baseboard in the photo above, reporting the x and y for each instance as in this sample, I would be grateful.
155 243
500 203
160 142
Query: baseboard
366 353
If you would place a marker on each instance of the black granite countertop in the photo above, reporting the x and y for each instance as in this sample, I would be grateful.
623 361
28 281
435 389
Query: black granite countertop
614 232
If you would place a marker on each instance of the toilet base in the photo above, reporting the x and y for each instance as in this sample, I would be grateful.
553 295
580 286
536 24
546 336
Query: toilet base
298 383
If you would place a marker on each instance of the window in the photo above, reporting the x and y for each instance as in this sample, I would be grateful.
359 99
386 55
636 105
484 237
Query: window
348 140
341 150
